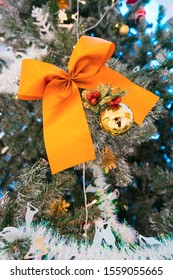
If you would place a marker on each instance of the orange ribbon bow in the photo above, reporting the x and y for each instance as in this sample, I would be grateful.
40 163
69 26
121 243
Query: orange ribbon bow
66 133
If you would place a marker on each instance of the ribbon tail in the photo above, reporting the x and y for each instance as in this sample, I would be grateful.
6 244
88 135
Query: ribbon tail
66 133
140 100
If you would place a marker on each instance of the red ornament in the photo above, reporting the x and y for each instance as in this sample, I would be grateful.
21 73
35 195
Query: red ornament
2 3
140 14
129 2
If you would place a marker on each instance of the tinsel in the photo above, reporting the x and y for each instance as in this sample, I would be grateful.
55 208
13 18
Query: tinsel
59 248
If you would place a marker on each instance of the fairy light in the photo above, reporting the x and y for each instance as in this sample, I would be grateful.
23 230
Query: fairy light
82 2
4 150
84 189
15 96
92 203
125 207
74 16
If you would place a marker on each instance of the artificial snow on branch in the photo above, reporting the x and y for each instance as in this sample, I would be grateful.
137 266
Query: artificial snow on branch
10 75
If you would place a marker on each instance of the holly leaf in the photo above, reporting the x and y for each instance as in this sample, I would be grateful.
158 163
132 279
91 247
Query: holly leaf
84 93
118 92
105 100
95 108
123 92
87 105
103 90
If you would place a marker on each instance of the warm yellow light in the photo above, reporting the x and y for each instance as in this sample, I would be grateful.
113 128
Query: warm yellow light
82 2
92 202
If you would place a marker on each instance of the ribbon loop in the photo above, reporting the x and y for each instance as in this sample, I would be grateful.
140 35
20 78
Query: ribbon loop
66 133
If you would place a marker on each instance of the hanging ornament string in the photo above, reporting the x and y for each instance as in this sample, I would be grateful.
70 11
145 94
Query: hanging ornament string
77 22
86 208
84 190
114 2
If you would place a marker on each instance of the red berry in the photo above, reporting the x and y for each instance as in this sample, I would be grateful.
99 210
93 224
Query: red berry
94 101
116 100
114 106
96 94
114 103
111 103
89 96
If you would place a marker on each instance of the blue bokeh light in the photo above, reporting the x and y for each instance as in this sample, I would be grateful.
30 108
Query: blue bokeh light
12 186
154 64
169 104
133 31
155 136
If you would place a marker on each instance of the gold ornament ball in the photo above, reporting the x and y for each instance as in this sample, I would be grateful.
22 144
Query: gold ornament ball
116 121
124 29
63 4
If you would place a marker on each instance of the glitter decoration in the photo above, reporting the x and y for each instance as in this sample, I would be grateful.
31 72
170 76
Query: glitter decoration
57 207
108 160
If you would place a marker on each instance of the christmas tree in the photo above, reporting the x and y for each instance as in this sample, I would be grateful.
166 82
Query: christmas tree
87 170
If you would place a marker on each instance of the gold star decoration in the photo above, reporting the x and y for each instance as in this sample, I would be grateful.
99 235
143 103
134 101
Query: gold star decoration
57 207
108 160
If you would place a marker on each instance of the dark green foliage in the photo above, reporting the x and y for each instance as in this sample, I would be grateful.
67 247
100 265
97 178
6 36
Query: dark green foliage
23 138
37 186
17 249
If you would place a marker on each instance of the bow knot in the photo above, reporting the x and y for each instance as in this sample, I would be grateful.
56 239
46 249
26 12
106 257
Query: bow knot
66 133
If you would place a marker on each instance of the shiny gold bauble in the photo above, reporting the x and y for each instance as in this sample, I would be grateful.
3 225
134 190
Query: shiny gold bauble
116 121
63 4
124 29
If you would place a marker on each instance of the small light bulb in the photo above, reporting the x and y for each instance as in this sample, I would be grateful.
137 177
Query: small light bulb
82 2
15 96
92 202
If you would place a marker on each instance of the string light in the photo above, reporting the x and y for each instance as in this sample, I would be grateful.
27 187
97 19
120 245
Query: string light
82 2
74 16
85 203
77 20
15 96
92 203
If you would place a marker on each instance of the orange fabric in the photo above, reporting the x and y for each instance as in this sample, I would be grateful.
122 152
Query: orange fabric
66 134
